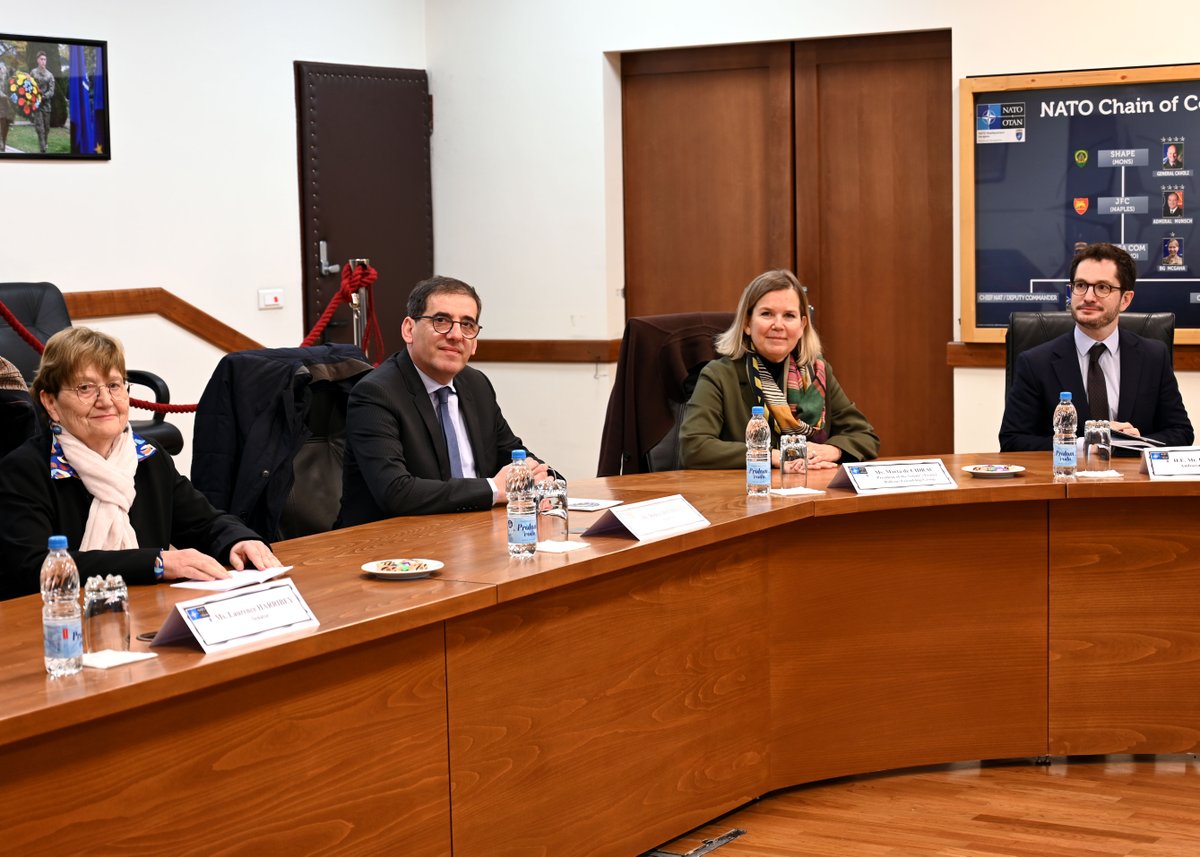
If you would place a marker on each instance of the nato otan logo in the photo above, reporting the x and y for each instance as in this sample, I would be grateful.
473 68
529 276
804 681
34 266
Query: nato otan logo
987 117
993 117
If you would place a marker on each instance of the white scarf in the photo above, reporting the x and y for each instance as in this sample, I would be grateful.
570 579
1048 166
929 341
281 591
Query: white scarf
109 479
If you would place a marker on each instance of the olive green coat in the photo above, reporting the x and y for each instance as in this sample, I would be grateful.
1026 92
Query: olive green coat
712 435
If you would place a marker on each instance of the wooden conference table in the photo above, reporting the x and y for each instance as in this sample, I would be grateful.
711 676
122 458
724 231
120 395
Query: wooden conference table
606 700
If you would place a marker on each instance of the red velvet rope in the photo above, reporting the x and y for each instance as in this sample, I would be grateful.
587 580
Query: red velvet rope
29 338
354 277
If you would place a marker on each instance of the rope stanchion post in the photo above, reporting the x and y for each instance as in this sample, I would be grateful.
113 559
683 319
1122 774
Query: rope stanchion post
354 278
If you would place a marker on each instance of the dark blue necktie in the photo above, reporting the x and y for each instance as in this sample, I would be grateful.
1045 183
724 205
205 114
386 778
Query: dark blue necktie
443 395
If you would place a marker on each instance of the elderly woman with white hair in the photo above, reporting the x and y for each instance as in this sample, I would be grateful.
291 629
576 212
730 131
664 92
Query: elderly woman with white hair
117 498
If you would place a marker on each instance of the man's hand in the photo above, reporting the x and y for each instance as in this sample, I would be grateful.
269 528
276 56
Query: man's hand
539 470
1126 428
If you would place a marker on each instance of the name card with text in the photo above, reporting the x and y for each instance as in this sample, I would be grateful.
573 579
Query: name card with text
1178 463
887 477
219 622
663 516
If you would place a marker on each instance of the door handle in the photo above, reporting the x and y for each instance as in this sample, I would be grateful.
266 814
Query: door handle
323 264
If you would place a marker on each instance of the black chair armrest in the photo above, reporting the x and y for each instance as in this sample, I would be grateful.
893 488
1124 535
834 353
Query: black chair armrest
164 435
155 384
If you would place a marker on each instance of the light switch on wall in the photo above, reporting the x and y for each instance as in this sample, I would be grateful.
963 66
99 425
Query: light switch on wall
270 298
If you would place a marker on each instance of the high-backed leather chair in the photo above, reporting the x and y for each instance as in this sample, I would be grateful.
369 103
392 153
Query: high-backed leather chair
661 357
41 309
270 436
1027 329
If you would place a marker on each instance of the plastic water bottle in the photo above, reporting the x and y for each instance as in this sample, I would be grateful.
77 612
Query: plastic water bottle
62 630
758 453
522 507
1065 421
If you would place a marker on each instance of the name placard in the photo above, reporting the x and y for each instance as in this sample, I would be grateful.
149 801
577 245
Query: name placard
887 477
230 619
663 516
1179 463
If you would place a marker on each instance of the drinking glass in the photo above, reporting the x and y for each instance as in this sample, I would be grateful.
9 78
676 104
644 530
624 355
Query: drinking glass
552 510
793 461
1097 444
106 614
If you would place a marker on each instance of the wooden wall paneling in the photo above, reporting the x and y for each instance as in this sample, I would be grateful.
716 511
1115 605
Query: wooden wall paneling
873 166
991 355
547 350
342 754
116 302
708 174
1124 637
609 716
923 642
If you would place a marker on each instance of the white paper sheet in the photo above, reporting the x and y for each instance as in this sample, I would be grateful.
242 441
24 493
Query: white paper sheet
235 580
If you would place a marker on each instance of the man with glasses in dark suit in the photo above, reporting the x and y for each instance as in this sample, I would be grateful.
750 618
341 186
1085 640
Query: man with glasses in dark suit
424 433
1111 373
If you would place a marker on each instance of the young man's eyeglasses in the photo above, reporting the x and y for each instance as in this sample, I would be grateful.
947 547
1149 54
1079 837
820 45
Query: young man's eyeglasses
443 323
1100 290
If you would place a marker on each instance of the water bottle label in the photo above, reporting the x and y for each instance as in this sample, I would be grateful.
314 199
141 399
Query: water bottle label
522 529
758 472
1064 455
63 639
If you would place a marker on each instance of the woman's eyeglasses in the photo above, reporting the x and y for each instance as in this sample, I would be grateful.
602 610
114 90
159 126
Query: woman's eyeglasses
88 392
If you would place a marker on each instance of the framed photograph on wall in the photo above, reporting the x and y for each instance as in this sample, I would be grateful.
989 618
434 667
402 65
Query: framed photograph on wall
55 98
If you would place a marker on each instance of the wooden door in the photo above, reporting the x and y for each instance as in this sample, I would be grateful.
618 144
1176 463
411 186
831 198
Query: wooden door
874 228
864 123
364 186
708 174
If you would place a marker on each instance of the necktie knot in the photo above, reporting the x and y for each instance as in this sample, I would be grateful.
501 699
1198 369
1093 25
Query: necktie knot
1097 352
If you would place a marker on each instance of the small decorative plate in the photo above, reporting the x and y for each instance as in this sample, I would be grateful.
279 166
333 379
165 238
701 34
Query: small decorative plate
994 471
402 569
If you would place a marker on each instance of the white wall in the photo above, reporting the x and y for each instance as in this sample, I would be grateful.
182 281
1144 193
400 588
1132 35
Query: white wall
201 197
527 174
201 194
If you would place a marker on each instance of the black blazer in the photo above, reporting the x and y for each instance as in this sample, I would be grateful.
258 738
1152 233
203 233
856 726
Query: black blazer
1149 397
396 457
167 511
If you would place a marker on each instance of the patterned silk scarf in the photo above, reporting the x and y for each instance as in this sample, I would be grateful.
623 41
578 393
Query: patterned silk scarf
802 407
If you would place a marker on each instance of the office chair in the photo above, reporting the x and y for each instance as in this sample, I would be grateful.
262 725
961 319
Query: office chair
1027 329
661 357
40 307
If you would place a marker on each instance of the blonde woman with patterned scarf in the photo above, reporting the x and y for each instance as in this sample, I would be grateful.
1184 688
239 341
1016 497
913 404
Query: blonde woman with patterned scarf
771 356
119 501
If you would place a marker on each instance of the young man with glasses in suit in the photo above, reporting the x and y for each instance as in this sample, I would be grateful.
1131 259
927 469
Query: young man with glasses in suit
1111 373
424 433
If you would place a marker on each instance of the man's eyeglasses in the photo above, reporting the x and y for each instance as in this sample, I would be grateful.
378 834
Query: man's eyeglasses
88 392
1100 290
443 323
